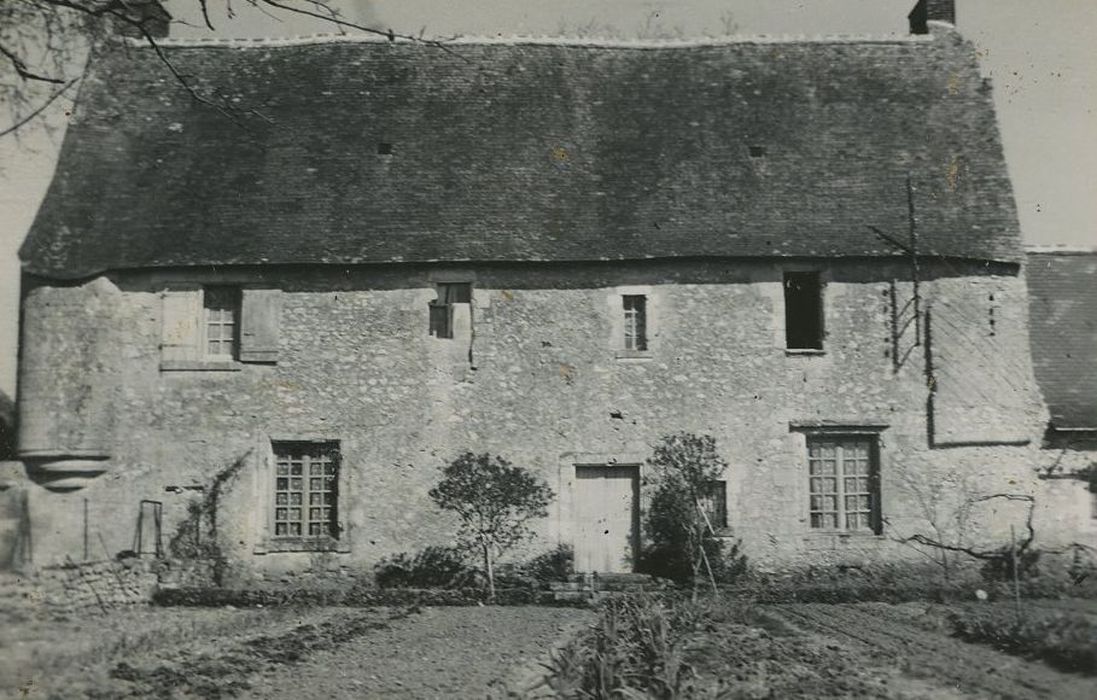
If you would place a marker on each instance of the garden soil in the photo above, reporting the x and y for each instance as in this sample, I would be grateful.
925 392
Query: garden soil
438 653
902 639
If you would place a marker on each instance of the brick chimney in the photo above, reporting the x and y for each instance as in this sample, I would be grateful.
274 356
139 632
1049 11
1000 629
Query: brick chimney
927 11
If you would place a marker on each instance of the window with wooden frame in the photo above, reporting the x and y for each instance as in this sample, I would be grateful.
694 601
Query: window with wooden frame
220 313
844 484
803 310
443 309
714 504
218 326
306 490
636 322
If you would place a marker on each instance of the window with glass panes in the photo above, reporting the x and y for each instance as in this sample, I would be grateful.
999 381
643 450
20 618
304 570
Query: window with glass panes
843 484
220 305
306 489
714 502
636 322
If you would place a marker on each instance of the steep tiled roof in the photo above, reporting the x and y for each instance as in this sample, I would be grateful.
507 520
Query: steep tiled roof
526 151
1062 289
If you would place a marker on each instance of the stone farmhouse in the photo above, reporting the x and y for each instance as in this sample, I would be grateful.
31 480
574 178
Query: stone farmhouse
261 327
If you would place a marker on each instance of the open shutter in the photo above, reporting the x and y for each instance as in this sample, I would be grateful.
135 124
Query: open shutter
260 315
181 311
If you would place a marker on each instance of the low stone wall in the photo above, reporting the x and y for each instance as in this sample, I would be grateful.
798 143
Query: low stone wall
80 589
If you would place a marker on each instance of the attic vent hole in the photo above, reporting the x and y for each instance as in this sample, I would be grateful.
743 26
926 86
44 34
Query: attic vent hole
757 151
384 148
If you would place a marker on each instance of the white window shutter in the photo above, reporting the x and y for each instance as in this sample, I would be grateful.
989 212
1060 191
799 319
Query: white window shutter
181 312
260 317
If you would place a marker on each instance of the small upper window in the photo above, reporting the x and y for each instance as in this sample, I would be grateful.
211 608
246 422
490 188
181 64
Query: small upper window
442 309
636 322
221 307
803 311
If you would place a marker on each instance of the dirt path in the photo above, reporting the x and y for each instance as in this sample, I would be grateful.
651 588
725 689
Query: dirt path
438 653
957 668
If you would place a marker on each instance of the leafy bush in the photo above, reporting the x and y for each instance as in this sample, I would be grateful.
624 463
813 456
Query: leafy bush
681 545
1063 639
667 560
851 584
433 567
495 502
557 564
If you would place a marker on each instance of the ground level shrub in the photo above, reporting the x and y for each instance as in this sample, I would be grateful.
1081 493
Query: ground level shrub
851 584
895 583
557 564
358 596
669 560
1061 638
432 567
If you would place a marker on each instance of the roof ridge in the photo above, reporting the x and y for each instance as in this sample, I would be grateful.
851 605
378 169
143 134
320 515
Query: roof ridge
544 40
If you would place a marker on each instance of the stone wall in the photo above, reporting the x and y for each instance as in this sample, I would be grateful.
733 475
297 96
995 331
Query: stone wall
80 589
546 387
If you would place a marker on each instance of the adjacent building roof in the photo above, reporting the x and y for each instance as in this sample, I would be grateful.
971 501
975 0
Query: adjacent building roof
353 151
1062 288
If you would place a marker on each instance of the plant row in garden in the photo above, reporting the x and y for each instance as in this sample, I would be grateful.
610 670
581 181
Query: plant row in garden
678 647
1063 639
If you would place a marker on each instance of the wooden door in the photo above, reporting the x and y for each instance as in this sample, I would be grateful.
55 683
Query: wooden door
607 518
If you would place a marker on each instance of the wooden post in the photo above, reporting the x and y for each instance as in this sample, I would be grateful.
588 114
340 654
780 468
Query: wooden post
704 555
1016 580
86 553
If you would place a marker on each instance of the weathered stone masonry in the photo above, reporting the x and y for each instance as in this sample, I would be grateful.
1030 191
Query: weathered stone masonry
554 178
545 386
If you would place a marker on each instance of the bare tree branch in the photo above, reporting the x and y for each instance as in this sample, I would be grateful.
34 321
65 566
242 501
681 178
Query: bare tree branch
42 40
41 108
21 68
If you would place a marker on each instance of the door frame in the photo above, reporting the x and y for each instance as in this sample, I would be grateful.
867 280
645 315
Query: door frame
565 501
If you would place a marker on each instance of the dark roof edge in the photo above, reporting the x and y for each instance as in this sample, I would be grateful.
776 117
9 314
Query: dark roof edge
89 274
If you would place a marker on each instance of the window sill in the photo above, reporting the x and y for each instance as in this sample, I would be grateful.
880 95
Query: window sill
808 352
302 544
843 535
199 366
633 354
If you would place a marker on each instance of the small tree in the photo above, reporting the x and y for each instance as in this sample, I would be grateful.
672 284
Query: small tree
684 468
495 501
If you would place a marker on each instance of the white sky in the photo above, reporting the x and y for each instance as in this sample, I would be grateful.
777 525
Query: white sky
1039 54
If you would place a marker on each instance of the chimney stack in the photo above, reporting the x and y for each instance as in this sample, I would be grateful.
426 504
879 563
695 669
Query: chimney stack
150 14
927 11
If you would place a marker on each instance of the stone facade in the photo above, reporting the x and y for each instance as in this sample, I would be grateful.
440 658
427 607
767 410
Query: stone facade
542 381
